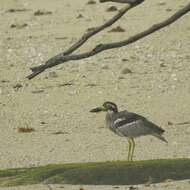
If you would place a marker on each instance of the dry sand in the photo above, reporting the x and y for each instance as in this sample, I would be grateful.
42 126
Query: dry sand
158 87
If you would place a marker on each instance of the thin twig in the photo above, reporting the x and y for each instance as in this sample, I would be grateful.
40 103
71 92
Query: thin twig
59 59
183 123
132 2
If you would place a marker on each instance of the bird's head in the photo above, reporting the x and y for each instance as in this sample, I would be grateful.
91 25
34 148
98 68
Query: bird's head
107 106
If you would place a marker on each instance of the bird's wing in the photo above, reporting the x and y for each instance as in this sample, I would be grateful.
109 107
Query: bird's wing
125 117
132 124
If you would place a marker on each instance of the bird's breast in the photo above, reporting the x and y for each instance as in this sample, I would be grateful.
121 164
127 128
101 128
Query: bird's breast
110 123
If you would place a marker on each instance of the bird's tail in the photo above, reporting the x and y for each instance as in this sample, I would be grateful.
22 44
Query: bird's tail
160 137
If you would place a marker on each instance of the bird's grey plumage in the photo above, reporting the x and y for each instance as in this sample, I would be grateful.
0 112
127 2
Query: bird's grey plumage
130 124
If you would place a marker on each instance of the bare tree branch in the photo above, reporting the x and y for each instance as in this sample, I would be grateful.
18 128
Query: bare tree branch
61 58
91 33
96 30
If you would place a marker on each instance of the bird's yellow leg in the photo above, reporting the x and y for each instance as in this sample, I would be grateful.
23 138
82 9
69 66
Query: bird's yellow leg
129 150
132 148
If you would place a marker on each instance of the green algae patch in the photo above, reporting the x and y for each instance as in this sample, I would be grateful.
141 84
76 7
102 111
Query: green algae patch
100 173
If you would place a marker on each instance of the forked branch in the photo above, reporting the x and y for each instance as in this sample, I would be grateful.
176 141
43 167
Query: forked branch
91 33
67 56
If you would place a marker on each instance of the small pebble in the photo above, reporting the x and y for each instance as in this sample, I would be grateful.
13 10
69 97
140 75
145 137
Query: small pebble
126 71
170 123
125 59
41 12
25 129
18 26
80 16
5 81
43 122
91 2
17 86
112 9
117 29
133 188
162 65
37 91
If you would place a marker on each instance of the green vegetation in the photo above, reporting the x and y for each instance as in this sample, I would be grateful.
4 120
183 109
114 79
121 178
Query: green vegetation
100 173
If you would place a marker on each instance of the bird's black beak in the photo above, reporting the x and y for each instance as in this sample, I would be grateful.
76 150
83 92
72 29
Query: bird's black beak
98 109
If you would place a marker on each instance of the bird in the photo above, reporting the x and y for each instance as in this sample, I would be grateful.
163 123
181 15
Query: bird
129 124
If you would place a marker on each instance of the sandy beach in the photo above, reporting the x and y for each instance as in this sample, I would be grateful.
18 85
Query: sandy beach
56 104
